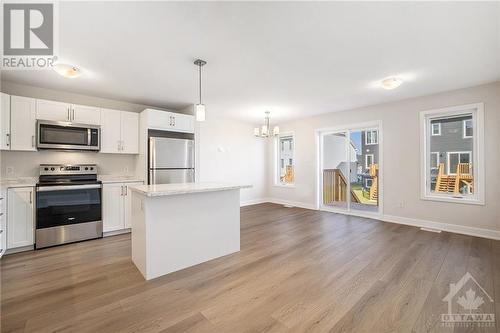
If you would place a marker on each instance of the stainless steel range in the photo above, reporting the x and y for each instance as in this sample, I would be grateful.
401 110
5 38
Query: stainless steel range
68 204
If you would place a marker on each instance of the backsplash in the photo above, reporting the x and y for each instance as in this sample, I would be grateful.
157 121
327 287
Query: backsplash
25 164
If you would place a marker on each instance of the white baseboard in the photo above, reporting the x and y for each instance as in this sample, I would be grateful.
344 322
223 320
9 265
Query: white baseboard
292 203
253 202
116 232
454 228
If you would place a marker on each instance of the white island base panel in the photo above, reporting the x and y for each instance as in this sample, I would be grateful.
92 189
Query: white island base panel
173 232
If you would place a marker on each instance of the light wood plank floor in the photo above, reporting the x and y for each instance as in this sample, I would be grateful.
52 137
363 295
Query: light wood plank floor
298 271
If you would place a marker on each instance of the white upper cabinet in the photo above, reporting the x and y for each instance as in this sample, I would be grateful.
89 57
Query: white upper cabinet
82 114
170 121
55 111
5 122
119 132
59 111
130 132
22 123
110 131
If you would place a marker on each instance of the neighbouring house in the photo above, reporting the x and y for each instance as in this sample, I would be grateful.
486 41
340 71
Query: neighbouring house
450 144
368 156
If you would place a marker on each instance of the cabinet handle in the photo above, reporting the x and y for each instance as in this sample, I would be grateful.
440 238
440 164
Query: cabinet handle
121 191
31 197
73 115
8 139
69 117
126 190
173 120
33 141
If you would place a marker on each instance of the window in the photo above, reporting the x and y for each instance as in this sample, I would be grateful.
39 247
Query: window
434 161
435 129
285 156
454 158
467 130
368 160
371 137
368 182
462 178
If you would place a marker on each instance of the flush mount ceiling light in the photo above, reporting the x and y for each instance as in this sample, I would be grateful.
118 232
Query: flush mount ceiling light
68 71
200 107
265 130
391 82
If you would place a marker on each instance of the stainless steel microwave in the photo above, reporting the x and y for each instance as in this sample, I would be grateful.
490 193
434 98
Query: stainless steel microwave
68 136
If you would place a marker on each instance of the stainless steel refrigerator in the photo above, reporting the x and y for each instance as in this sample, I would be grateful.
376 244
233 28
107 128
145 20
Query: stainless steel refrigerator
171 160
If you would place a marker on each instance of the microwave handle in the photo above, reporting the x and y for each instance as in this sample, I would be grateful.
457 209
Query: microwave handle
89 137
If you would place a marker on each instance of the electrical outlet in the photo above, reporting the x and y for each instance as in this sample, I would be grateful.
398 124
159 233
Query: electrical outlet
10 171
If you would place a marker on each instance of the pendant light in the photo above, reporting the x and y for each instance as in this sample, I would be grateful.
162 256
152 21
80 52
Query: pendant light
265 130
200 108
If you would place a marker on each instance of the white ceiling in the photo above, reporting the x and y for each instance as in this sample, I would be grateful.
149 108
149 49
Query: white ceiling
295 59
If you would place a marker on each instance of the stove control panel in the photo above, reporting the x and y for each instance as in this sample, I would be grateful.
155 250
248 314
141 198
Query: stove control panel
62 169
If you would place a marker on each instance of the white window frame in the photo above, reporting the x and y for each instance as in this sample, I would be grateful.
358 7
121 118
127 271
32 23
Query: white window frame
448 163
277 159
477 112
437 160
366 182
465 136
439 129
366 160
366 138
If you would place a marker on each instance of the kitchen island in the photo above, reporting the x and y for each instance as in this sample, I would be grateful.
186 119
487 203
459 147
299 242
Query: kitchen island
175 226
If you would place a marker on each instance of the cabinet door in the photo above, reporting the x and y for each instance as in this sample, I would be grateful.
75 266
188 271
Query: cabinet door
88 115
51 110
130 132
161 120
3 222
22 123
5 122
128 203
112 207
183 123
20 226
110 131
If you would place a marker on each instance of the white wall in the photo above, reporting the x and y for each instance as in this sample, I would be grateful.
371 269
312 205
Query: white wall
228 152
401 158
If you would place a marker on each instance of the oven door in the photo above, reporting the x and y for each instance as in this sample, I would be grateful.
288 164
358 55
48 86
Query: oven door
67 214
67 205
61 135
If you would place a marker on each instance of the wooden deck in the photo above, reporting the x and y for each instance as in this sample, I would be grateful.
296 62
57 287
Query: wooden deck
298 271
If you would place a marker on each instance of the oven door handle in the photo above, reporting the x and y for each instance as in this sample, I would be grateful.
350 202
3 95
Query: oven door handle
67 187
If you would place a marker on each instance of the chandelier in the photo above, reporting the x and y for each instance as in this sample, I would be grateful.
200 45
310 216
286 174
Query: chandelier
265 130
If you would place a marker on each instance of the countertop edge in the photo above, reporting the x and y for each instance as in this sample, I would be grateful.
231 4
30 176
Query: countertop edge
160 193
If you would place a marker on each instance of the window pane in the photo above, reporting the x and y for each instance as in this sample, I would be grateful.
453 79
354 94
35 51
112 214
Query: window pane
286 172
452 149
434 162
468 128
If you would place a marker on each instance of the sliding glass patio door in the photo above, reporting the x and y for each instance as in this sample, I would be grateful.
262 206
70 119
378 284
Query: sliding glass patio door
350 164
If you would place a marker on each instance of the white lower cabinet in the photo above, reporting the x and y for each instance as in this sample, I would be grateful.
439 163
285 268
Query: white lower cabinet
116 206
3 222
20 217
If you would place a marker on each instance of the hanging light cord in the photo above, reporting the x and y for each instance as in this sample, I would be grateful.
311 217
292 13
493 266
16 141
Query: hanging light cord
200 81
